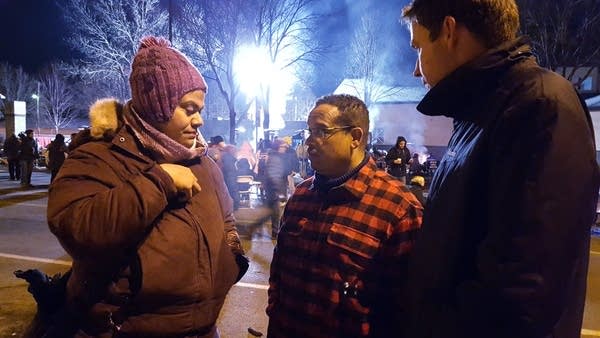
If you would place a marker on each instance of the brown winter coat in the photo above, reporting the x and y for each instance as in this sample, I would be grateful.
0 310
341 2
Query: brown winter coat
149 264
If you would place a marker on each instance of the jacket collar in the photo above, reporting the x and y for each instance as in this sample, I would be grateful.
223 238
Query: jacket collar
459 95
354 188
106 123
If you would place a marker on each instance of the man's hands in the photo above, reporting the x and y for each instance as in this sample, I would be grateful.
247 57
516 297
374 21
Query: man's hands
185 181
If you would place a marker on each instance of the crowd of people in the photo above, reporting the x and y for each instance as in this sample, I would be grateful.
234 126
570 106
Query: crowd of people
23 154
496 247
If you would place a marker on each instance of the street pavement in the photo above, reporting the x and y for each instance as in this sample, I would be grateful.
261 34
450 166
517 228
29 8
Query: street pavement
26 242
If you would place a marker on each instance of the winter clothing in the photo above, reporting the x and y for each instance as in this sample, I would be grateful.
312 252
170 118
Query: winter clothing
28 150
160 76
243 168
229 171
395 169
275 184
12 147
505 240
418 180
28 153
417 190
415 168
341 256
417 187
57 150
145 262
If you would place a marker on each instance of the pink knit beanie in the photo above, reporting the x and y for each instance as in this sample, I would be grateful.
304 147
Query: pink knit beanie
160 76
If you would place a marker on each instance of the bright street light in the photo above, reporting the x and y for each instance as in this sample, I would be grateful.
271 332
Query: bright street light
2 97
267 81
36 97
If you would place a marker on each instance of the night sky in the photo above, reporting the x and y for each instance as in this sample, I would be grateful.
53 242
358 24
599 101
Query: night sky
31 33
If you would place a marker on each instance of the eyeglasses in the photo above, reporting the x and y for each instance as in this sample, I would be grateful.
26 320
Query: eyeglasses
326 132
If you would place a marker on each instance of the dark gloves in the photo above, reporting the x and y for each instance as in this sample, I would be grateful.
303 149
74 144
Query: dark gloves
233 241
243 263
49 292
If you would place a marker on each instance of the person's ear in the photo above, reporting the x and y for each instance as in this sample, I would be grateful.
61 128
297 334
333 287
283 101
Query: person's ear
449 32
357 135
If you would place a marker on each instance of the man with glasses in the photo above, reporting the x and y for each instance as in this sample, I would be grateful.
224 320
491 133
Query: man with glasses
341 251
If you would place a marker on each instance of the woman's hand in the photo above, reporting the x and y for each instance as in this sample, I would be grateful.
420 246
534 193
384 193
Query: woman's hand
186 182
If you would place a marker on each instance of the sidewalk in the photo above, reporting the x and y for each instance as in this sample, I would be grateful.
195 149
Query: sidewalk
40 179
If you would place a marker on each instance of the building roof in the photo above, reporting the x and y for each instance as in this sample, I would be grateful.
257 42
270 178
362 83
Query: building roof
593 102
383 93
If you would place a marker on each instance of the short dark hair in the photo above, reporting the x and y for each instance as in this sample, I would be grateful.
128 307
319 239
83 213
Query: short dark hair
353 111
492 21
216 139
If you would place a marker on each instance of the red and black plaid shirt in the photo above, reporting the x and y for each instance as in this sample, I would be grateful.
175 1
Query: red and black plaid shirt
340 258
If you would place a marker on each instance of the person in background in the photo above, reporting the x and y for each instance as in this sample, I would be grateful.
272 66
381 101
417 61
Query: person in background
144 213
415 168
293 165
246 151
72 140
417 186
216 146
304 164
345 235
57 151
262 156
244 168
505 241
397 158
225 156
12 146
229 170
28 153
276 181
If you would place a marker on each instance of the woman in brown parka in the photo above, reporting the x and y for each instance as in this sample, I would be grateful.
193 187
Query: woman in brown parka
144 213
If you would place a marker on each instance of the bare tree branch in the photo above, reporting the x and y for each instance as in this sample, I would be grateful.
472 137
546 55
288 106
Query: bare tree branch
107 36
57 100
285 28
565 34
16 85
212 36
366 62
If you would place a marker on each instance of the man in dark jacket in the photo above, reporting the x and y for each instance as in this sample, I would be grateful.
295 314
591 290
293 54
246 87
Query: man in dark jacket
28 152
505 240
57 151
11 149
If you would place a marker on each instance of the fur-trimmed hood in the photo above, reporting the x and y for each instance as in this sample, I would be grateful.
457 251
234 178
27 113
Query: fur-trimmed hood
105 117
105 120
